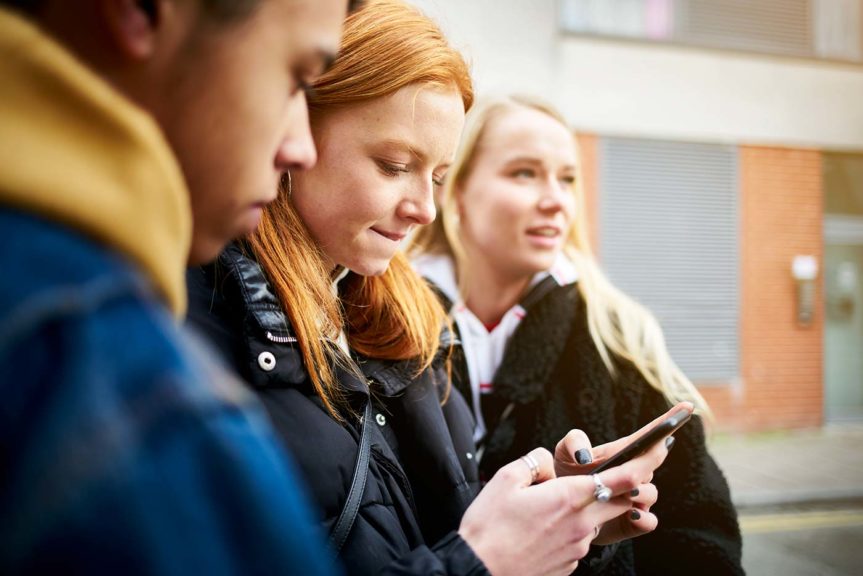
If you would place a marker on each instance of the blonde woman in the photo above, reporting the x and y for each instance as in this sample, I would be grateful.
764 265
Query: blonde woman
547 343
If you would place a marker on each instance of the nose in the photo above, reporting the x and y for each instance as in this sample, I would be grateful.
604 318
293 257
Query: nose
553 195
297 148
419 206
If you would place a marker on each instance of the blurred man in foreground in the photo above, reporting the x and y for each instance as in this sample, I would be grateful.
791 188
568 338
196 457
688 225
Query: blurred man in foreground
121 451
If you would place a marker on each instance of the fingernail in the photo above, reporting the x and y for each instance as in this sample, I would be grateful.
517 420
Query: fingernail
635 514
634 492
583 456
669 442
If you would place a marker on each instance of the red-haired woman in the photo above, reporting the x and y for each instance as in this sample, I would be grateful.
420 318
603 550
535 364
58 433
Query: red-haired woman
327 321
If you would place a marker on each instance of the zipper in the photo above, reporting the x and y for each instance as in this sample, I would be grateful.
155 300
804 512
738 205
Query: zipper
280 339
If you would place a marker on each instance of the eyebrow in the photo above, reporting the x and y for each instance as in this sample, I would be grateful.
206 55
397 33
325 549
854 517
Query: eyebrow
321 56
532 160
327 57
418 154
404 144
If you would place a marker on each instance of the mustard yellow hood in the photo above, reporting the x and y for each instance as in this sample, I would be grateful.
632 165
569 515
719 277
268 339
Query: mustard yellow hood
75 150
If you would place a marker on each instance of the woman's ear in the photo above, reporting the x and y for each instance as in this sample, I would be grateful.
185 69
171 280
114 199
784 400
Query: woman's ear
133 24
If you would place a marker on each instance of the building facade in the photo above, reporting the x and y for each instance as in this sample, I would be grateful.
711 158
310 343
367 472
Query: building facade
722 143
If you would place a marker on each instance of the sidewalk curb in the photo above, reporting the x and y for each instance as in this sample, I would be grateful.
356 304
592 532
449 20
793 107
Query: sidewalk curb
746 500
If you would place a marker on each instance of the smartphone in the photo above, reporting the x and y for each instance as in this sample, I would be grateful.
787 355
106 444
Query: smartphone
645 441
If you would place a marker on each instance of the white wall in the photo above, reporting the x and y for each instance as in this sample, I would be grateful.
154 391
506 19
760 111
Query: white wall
640 89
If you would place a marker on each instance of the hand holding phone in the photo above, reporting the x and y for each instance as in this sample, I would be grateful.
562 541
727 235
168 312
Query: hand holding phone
655 432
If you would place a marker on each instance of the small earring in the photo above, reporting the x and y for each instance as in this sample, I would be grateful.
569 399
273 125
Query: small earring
290 186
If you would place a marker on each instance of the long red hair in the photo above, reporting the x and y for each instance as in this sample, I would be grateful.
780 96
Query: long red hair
387 45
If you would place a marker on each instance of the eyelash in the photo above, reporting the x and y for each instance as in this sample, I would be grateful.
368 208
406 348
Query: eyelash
568 180
393 170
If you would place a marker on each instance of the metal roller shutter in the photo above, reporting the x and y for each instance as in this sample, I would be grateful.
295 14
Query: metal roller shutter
772 26
669 238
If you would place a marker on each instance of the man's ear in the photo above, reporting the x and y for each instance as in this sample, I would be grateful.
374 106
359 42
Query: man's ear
133 24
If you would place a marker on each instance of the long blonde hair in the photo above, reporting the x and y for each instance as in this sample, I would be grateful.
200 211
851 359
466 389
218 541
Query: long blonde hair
387 45
618 325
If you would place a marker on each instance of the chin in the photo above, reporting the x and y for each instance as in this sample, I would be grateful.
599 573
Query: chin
370 268
204 251
536 266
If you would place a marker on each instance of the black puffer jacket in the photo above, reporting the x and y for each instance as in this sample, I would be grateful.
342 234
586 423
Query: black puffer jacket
554 378
422 475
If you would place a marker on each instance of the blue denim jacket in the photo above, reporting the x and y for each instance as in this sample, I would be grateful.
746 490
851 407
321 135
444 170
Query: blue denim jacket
122 450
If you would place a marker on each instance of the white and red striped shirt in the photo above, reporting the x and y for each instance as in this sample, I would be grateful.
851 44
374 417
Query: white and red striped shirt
483 347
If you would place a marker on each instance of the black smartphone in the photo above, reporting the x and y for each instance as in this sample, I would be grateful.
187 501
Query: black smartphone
645 441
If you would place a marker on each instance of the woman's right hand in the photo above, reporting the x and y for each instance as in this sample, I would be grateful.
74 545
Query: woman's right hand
519 526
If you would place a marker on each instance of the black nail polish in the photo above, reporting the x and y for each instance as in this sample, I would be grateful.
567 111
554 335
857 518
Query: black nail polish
669 442
635 514
634 492
583 456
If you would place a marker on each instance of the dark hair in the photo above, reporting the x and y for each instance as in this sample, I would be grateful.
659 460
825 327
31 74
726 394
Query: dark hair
28 6
223 10
228 10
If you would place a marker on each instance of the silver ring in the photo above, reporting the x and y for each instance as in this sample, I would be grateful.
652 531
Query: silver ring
595 531
601 493
532 465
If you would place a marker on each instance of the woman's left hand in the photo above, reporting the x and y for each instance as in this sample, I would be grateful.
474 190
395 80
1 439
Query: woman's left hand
635 522
574 455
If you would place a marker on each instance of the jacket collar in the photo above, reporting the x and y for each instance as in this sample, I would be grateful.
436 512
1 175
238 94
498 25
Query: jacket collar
537 344
259 300
440 270
262 307
76 151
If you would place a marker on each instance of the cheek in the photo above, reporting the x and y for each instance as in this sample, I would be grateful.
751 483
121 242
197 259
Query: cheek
570 210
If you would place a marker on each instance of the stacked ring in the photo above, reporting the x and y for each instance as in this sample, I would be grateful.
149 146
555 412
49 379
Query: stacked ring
532 465
601 493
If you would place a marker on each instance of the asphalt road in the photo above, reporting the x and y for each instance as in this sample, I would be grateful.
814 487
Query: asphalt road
804 542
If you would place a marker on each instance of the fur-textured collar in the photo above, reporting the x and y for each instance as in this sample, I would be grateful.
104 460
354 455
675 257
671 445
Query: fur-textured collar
540 339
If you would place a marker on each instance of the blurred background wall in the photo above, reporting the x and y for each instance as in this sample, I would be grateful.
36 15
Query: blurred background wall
722 142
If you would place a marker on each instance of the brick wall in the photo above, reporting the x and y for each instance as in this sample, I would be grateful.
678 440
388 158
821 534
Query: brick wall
781 383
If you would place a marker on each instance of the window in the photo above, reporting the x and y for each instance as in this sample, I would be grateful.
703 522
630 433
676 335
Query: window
826 29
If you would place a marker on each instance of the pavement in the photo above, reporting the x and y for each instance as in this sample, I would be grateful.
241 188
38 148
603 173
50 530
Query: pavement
821 466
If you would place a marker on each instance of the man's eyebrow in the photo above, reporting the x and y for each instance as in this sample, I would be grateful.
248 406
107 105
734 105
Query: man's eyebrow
328 58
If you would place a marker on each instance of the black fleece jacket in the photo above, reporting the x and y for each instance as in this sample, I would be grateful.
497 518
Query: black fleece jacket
555 379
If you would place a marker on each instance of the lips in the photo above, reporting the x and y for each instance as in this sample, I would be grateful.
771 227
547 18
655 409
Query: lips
394 236
544 231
